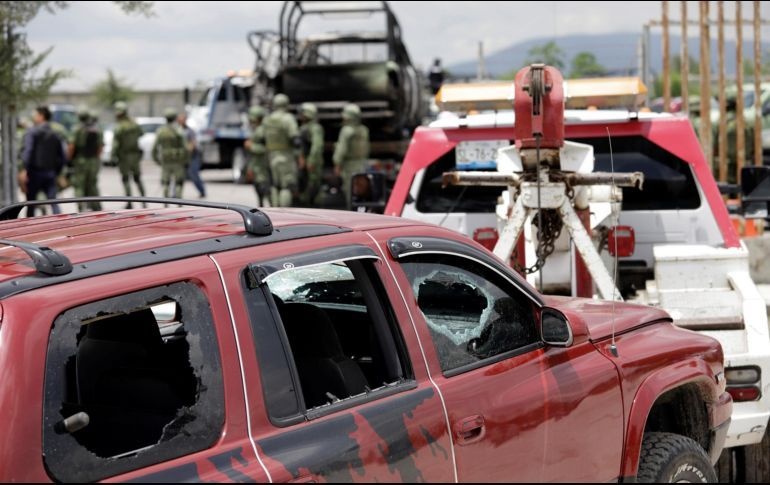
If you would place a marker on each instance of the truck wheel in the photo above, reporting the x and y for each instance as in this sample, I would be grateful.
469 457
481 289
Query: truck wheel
672 458
239 166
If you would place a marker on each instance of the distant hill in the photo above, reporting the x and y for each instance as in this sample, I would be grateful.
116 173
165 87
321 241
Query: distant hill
618 52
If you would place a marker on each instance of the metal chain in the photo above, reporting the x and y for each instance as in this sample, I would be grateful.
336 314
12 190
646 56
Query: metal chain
551 230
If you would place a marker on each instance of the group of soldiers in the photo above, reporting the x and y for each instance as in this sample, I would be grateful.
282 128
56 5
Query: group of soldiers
83 146
287 161
286 157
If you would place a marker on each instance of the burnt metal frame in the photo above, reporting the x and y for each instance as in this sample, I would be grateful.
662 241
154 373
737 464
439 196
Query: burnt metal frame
293 11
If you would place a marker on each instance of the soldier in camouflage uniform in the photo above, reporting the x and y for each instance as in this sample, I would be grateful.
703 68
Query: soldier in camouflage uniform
282 141
126 151
311 134
85 147
170 151
352 148
258 169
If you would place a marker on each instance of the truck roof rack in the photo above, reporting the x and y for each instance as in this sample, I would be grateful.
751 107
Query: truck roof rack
46 260
255 221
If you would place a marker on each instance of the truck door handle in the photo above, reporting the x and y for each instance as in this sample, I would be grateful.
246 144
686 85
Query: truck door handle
469 430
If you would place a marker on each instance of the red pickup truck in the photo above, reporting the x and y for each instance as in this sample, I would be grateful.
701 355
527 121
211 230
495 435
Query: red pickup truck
191 344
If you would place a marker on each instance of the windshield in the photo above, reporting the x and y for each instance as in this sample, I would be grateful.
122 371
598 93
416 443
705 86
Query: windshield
65 118
150 127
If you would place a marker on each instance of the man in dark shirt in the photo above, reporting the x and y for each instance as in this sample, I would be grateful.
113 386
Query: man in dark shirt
43 159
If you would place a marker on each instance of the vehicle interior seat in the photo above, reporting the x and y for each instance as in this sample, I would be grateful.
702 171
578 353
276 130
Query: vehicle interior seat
321 363
125 385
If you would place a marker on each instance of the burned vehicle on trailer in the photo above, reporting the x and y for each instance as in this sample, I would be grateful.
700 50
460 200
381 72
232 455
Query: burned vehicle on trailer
369 68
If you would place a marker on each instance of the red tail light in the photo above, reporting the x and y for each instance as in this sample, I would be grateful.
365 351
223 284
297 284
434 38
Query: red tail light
621 241
743 394
486 236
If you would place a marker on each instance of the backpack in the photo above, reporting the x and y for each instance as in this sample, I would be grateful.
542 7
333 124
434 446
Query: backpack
47 154
87 142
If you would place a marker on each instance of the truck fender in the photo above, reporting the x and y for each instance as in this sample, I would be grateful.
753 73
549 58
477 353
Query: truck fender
688 371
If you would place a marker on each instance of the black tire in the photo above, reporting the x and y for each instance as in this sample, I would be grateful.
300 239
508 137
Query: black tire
672 458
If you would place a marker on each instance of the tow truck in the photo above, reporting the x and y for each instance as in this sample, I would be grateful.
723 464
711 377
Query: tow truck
668 242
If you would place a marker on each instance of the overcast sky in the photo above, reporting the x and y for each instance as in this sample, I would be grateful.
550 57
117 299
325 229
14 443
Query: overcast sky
189 41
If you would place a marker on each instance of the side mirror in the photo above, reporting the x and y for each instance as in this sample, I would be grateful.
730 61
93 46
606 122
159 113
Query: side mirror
368 192
755 187
554 328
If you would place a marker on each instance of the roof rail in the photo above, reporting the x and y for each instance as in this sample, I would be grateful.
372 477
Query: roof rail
47 261
255 221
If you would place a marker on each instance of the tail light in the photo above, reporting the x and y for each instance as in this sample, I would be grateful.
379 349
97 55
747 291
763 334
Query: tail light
743 383
486 236
744 394
621 241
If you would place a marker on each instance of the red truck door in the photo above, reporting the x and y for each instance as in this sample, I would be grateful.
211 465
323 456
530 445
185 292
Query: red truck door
335 392
518 410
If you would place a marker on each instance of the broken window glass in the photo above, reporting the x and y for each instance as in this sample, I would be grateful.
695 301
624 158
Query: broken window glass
328 320
471 312
127 384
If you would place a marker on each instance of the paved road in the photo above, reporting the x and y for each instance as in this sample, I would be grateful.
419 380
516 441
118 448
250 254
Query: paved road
219 188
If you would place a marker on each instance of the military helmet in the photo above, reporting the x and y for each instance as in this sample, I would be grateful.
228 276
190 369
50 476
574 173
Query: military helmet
256 112
280 100
309 110
169 114
83 113
120 107
351 112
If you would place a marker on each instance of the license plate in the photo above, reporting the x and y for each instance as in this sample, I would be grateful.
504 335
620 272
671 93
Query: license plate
478 154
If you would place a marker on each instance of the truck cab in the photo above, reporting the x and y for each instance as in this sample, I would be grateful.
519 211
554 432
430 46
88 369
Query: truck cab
219 120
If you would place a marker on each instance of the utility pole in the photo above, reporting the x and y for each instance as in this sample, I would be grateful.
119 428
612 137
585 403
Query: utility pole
705 84
666 61
757 91
481 72
740 125
685 64
722 98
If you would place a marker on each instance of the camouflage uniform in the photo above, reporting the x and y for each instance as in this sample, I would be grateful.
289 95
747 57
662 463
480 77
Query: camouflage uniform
258 165
170 151
312 137
281 137
125 149
86 145
352 148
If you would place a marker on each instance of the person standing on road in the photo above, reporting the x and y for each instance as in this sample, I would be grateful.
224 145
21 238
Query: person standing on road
126 151
258 170
43 158
194 168
312 157
85 148
170 151
282 141
352 148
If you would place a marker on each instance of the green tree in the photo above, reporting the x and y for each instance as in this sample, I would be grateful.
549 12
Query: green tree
549 54
20 81
764 66
584 64
111 90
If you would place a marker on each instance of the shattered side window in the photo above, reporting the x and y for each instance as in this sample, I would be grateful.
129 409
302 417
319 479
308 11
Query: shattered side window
471 312
337 331
127 383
